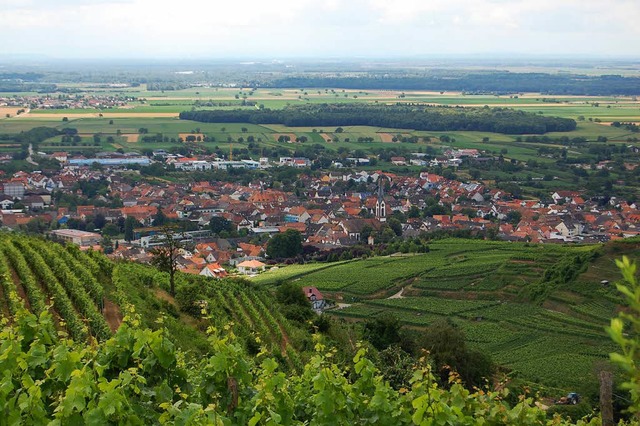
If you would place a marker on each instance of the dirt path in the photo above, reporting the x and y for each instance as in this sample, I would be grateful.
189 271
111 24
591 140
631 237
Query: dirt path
398 295
4 306
29 158
112 314
20 288
285 340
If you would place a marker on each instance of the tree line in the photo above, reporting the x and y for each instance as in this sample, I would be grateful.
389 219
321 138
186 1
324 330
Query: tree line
502 82
417 117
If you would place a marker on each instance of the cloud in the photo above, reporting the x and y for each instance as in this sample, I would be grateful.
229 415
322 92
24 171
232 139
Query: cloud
378 28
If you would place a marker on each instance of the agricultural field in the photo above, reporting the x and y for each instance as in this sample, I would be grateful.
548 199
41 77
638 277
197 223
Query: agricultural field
158 111
541 166
481 286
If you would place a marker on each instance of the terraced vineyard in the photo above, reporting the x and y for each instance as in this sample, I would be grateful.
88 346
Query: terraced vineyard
482 287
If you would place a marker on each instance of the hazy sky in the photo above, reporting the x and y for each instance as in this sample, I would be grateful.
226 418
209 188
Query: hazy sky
317 28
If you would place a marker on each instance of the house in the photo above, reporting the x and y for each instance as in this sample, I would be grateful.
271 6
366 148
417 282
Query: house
213 270
6 202
251 267
315 298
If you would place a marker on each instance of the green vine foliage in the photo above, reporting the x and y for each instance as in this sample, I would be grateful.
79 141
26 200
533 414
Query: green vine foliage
625 331
138 376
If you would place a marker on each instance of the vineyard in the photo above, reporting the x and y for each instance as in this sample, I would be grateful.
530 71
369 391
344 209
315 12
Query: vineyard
483 287
81 290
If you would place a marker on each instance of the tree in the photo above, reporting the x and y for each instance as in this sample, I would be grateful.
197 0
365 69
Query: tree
129 224
217 224
107 244
513 217
365 232
395 225
447 347
383 331
291 294
165 257
160 218
110 230
286 244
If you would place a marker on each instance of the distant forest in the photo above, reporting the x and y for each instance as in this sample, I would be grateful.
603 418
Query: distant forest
483 82
400 116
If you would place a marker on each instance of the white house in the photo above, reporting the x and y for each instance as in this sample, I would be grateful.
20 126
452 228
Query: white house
251 267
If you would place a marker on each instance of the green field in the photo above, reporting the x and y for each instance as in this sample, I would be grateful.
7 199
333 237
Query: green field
481 286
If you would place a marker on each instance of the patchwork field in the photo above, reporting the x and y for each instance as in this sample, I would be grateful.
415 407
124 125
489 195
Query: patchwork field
482 287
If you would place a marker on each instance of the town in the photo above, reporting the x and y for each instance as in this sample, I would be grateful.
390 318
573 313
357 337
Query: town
91 202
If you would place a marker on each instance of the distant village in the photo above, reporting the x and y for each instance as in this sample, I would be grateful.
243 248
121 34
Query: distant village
65 101
330 209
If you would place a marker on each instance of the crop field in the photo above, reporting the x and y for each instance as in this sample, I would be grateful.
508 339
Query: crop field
480 286
157 111
120 129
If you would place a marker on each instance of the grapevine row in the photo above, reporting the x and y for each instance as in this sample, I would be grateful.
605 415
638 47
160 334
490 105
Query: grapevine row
60 299
75 290
84 259
255 316
106 266
88 280
35 295
9 287
264 315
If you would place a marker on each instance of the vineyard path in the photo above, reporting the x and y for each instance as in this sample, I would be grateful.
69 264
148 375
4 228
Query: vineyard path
112 314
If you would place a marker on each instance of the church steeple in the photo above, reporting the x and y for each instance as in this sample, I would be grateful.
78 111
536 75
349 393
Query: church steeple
381 205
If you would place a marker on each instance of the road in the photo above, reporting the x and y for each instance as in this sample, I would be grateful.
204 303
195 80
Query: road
29 159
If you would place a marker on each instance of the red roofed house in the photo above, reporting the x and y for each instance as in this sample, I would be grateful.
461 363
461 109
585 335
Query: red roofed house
213 270
315 297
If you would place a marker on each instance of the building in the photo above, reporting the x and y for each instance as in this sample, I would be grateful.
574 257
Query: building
251 267
213 270
80 238
14 189
126 161
381 205
315 298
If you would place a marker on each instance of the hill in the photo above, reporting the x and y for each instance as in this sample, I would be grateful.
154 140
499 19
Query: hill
539 310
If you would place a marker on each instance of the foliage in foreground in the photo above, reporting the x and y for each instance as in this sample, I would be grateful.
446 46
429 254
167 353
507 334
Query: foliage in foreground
625 331
139 377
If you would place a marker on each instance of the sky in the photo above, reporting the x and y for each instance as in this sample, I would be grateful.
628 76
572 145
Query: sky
208 29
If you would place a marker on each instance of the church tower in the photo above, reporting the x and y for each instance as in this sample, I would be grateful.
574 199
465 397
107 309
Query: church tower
381 205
